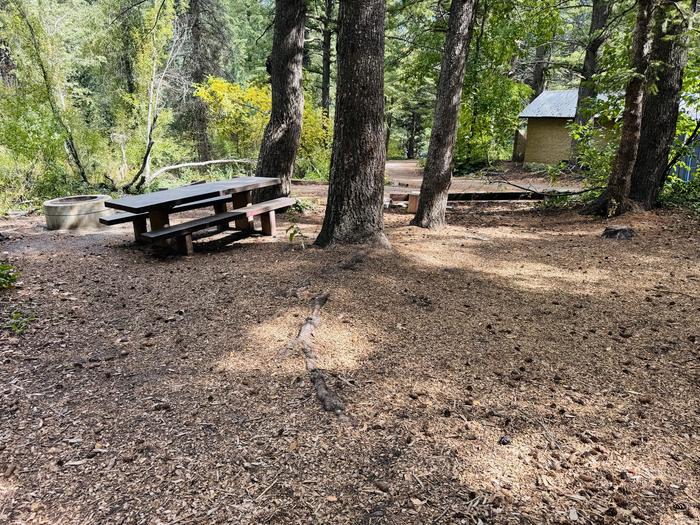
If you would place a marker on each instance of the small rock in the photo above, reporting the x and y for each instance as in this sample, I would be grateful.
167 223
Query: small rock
505 440
618 232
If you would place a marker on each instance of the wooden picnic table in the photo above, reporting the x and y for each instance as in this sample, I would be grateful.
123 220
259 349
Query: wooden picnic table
159 204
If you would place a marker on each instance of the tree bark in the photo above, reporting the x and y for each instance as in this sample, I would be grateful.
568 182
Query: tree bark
412 132
596 38
283 132
537 81
197 107
669 55
437 175
615 199
327 33
356 186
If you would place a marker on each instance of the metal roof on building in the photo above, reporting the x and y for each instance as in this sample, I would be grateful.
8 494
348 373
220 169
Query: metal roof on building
552 104
562 104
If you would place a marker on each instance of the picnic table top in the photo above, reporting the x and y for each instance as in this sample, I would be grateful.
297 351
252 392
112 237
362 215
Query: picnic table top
184 194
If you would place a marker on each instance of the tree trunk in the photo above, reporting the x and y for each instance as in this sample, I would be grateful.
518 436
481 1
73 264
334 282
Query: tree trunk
197 107
326 66
669 55
596 38
539 69
615 199
283 132
7 66
387 136
411 142
356 187
437 176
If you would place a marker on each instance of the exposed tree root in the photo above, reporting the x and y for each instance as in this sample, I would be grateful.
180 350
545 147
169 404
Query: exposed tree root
329 399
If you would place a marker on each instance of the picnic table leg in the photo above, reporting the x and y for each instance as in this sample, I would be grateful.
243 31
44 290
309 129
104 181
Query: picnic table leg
241 200
269 223
139 228
184 244
159 219
220 207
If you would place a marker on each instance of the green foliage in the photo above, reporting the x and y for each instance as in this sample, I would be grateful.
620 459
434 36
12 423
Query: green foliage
239 114
294 233
680 193
300 207
8 275
18 321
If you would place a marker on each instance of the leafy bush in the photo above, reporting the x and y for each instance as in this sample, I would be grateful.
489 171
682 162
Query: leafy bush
239 114
8 275
678 192
18 322
595 149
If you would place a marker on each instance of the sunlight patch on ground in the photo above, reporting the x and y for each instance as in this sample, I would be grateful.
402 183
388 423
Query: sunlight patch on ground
337 344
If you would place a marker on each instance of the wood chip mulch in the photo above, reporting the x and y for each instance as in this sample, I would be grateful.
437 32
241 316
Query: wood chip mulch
515 367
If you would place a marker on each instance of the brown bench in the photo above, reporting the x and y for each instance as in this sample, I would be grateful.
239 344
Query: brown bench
242 217
139 219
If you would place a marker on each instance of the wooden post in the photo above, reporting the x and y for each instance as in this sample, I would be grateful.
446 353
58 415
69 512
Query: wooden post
269 223
242 200
220 207
413 202
159 219
139 228
184 244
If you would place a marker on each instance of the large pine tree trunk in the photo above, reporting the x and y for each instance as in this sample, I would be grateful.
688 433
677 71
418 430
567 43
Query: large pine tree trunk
596 38
197 108
437 175
327 33
283 132
615 199
356 187
669 55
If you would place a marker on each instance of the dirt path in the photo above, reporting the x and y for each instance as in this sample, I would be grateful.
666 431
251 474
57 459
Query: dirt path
407 175
512 368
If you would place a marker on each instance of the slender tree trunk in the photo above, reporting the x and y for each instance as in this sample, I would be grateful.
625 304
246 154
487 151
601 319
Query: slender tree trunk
615 199
669 55
356 188
411 142
283 133
437 176
387 139
7 66
327 33
197 107
596 38
537 81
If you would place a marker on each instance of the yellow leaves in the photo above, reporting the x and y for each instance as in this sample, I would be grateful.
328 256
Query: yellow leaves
239 114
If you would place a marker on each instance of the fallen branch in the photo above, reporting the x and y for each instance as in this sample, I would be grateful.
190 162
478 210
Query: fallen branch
553 193
200 164
329 399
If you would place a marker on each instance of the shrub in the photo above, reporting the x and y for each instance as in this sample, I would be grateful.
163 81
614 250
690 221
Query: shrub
239 114
8 275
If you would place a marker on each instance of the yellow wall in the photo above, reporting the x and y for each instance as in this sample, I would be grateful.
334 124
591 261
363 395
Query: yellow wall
548 140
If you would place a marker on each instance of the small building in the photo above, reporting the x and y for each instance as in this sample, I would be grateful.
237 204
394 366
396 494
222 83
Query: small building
547 138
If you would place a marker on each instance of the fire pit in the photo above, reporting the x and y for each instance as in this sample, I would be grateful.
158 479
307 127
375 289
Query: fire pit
76 212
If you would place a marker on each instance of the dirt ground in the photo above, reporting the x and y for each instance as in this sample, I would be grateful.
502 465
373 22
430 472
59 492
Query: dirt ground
514 367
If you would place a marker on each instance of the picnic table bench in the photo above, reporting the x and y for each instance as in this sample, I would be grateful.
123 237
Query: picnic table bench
158 206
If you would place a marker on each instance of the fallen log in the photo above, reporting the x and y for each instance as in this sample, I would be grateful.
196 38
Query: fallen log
303 342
